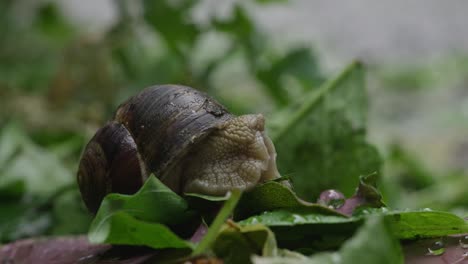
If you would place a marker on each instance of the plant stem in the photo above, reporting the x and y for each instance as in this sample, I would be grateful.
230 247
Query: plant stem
213 231
312 100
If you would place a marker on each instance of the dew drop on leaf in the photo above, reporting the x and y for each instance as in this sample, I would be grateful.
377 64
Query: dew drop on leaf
298 219
332 198
464 241
437 248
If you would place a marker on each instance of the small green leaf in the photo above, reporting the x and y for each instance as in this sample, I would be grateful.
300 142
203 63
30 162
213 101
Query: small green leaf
121 228
367 189
142 218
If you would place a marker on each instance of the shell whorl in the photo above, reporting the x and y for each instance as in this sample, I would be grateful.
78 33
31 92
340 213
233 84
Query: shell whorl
109 159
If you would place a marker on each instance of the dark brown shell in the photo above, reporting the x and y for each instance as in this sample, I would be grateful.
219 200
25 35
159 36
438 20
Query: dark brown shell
166 120
110 163
151 133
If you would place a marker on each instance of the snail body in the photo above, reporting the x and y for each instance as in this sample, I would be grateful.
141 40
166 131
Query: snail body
183 136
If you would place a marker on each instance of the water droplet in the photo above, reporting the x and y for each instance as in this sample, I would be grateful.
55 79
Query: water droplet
437 248
464 241
427 210
332 198
253 220
88 259
298 218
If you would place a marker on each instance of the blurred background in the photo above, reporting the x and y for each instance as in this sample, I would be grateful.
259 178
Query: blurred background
66 64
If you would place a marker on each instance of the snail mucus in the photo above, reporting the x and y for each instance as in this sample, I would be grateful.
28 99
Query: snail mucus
185 138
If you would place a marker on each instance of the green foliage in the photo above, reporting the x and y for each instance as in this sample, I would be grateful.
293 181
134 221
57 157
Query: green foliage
123 229
405 224
324 138
171 22
236 244
29 202
358 249
273 196
134 219
67 85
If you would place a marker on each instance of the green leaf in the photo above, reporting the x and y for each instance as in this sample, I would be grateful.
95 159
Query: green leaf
21 219
143 218
239 25
236 244
373 243
420 224
121 228
321 143
300 64
21 160
299 228
405 224
273 195
171 21
295 217
363 249
367 189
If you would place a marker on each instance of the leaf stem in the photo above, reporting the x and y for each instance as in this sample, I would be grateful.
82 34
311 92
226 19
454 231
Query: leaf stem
312 99
213 231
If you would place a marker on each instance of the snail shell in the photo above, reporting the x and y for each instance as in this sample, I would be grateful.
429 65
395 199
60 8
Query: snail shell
183 136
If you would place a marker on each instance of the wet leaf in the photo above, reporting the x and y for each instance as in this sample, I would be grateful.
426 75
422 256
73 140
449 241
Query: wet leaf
272 196
359 249
321 142
143 218
404 224
122 228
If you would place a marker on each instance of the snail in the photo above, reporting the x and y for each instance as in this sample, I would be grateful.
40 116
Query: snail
185 138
